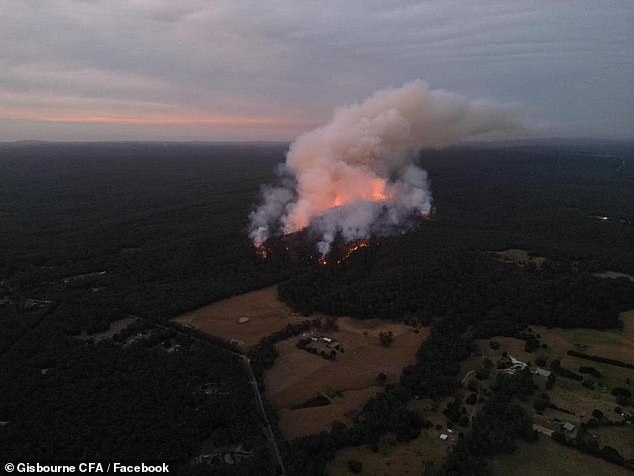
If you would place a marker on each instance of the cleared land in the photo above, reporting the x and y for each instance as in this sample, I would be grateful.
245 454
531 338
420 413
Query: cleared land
619 437
402 459
547 457
519 257
265 312
614 343
306 421
299 375
393 458
577 400
115 327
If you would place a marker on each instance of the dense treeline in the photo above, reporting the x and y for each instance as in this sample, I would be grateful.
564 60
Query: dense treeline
495 429
400 281
73 401
165 221
603 360
586 443
166 224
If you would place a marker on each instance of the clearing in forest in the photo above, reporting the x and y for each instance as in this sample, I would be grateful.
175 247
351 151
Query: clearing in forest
349 380
245 318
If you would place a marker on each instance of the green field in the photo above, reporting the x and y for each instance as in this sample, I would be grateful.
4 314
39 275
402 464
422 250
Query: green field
569 394
619 437
614 344
546 458
396 458
402 459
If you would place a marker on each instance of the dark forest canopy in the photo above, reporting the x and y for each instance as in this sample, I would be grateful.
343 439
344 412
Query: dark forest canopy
166 223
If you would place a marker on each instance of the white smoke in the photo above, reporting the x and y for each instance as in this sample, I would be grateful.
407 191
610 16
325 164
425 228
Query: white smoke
355 176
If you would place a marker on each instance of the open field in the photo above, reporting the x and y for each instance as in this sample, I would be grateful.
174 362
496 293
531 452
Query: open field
265 313
614 343
611 375
582 401
311 420
401 459
298 375
520 257
547 457
394 458
568 394
619 437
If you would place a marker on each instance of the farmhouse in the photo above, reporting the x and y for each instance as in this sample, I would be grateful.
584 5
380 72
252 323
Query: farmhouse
517 366
541 372
569 427
227 456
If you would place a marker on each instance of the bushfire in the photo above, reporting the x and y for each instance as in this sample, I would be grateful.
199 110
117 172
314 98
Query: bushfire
261 251
299 248
351 249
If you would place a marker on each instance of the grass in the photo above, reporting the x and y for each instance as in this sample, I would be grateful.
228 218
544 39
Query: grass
306 421
549 458
265 312
619 437
613 343
401 459
298 375
611 375
569 394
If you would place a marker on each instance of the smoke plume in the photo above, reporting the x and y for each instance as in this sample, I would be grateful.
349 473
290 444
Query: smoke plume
356 177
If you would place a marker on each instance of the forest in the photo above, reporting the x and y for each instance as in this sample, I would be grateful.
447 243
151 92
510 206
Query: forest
94 233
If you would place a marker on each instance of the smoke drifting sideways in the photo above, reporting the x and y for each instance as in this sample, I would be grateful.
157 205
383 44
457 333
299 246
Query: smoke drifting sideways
356 176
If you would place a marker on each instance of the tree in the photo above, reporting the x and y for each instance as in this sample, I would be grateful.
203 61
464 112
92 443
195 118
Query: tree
355 466
598 414
386 338
540 405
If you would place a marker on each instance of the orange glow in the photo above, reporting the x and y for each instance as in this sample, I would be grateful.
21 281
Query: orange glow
351 249
262 251
377 191
178 119
323 261
214 121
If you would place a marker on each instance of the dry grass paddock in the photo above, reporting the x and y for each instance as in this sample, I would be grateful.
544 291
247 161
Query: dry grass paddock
265 312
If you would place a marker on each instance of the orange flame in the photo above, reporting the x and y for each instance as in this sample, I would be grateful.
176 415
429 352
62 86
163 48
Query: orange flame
377 192
261 251
355 247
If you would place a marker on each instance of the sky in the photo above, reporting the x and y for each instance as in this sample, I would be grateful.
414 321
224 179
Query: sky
252 70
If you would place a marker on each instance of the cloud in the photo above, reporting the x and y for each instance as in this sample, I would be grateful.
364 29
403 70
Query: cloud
248 58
